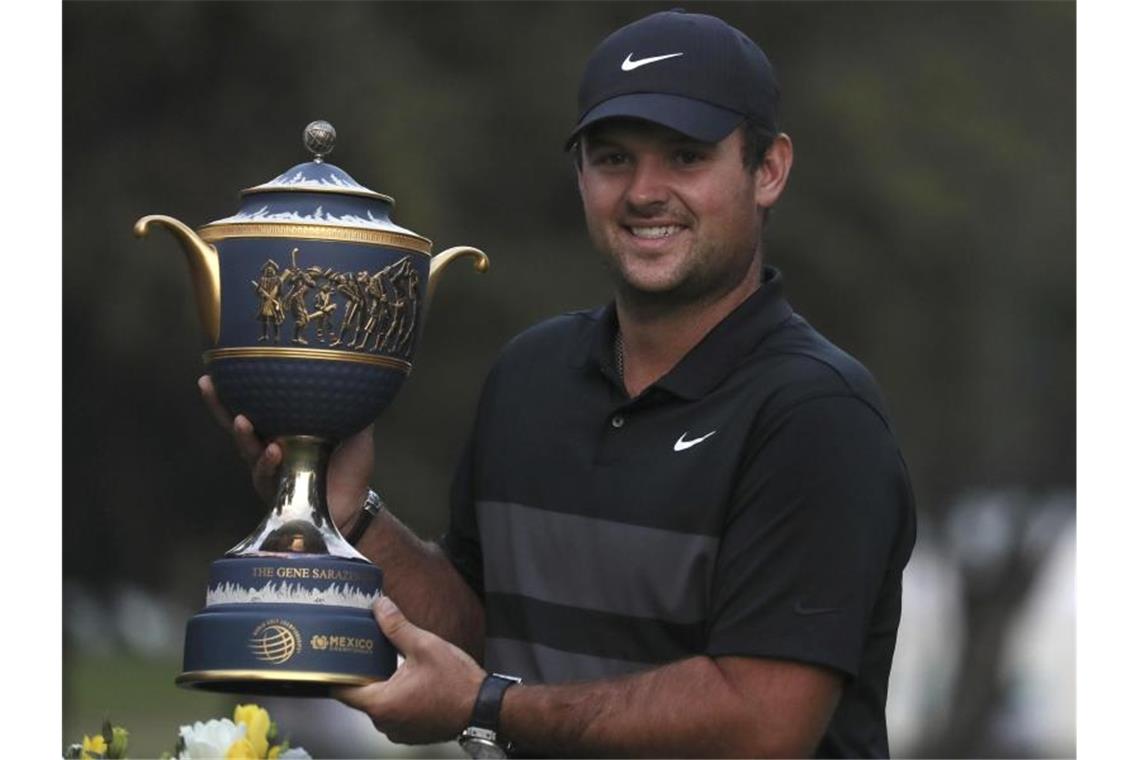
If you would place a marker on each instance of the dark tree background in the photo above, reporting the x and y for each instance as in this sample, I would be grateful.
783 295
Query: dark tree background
928 228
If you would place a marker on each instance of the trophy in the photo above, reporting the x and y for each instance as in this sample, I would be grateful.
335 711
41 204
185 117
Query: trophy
313 301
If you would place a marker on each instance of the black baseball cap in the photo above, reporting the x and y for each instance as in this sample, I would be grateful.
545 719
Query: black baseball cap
690 72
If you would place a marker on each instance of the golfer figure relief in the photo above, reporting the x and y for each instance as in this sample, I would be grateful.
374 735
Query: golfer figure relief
378 310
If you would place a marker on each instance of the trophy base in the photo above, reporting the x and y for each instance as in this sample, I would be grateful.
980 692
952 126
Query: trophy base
284 684
259 639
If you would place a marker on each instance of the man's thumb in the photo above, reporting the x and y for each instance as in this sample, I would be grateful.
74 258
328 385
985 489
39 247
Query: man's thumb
394 625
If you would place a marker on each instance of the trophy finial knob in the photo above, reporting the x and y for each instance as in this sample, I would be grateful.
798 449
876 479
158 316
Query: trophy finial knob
319 139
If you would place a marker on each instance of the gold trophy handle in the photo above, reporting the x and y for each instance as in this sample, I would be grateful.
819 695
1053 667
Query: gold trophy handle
203 260
440 261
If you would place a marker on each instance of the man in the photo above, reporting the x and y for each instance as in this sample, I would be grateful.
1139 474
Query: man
269 311
682 519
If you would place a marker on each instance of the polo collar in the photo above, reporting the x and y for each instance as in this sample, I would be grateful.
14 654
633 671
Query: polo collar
709 362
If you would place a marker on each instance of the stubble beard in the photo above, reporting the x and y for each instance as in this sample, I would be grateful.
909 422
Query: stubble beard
700 283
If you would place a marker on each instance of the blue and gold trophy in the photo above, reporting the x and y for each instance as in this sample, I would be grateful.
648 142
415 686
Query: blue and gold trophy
313 301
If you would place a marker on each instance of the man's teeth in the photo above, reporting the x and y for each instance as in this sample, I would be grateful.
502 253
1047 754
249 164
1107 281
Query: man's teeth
655 232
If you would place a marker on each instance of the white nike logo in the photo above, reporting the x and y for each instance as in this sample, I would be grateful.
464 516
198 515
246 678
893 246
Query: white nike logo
629 64
682 444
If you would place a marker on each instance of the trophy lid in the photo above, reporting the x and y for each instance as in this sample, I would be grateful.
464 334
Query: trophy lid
319 193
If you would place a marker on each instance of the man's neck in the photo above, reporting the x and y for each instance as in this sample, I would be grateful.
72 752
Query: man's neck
654 341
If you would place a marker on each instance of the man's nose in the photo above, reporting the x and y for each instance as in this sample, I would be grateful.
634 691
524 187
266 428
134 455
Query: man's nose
649 184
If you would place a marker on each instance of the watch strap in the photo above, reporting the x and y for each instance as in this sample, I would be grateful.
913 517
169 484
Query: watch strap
372 506
489 701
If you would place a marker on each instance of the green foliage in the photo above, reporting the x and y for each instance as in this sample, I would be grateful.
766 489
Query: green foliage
928 227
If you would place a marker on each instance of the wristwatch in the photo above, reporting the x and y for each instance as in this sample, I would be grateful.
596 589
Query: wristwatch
372 506
481 738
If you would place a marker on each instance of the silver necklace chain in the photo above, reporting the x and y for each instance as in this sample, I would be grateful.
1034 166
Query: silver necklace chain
619 354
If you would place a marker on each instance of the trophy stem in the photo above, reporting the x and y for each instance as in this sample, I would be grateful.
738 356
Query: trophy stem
301 479
299 522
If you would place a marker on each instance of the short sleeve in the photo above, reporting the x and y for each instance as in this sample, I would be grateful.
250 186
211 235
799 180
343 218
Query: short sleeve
821 517
461 542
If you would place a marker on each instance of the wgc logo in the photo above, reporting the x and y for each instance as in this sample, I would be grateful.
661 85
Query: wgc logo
275 641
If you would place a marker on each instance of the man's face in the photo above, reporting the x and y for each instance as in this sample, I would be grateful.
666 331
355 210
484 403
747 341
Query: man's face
676 218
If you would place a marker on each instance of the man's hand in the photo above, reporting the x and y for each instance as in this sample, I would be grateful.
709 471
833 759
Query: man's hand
430 697
350 467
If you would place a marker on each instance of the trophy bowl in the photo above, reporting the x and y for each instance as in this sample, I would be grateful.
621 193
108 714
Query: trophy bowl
313 302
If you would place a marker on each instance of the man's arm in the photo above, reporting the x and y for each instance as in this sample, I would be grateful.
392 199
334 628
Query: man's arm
701 706
424 583
417 575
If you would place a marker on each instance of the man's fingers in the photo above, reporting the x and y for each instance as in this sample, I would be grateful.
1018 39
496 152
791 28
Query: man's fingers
359 697
264 460
210 396
248 444
265 471
405 636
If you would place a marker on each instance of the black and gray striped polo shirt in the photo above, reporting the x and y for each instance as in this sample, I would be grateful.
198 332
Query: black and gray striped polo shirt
751 502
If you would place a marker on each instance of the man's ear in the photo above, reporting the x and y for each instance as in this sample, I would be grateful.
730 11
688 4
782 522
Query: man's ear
772 174
579 158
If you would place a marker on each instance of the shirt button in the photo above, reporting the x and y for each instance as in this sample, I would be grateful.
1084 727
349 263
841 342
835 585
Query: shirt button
617 421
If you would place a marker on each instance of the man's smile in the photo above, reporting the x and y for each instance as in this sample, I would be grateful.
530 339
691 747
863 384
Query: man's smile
655 232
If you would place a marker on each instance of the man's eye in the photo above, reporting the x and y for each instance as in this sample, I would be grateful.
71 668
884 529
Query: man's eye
612 159
686 157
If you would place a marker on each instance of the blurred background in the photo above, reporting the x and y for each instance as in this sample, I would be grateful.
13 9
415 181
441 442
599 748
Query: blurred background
928 228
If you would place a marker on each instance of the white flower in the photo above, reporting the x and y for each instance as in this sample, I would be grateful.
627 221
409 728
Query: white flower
210 740
295 753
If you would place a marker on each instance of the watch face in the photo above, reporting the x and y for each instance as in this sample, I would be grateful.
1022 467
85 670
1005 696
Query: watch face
481 748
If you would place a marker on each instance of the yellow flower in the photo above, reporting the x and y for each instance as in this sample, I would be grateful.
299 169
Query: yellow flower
256 720
242 749
274 751
93 745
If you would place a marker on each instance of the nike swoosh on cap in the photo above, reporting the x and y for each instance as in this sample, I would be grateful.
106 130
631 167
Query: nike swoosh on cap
629 64
682 444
